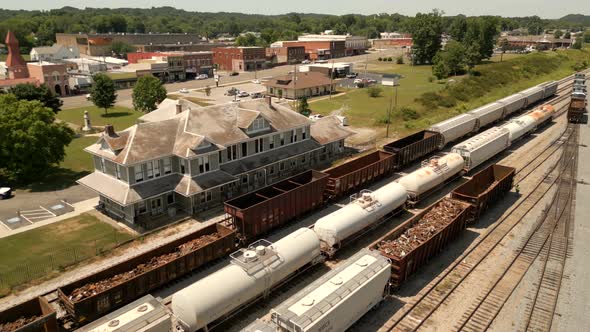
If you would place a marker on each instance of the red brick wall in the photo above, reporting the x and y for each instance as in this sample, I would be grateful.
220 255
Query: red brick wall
224 56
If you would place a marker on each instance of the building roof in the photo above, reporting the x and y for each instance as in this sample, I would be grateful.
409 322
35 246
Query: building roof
196 130
47 49
303 81
167 110
328 129
13 82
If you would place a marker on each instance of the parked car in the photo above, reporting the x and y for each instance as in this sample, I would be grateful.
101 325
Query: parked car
183 90
305 62
234 73
243 94
256 95
232 92
257 81
357 81
352 75
203 77
5 192
315 117
88 96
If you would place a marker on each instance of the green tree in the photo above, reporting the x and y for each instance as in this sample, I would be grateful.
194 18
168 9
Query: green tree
148 93
374 91
121 49
567 35
303 106
30 139
449 61
40 93
103 92
426 30
586 36
557 34
248 39
280 93
46 33
440 68
578 44
458 28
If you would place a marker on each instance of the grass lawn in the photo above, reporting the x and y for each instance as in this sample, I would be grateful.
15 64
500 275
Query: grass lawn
196 100
365 111
27 57
42 251
120 117
76 164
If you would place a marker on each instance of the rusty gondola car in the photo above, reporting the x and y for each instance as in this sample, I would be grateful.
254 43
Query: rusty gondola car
484 188
258 212
131 285
413 147
420 250
32 316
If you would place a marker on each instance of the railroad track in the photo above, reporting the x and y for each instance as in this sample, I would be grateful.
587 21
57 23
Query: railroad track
548 232
436 293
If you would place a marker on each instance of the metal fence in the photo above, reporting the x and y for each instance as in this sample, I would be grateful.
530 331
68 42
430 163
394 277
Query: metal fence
57 261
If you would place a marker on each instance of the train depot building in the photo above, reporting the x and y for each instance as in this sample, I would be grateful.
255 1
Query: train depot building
182 158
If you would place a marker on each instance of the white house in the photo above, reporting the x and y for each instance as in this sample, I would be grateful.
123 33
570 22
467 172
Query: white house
54 53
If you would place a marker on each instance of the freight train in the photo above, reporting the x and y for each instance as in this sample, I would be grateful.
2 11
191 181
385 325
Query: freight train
254 214
577 108
213 298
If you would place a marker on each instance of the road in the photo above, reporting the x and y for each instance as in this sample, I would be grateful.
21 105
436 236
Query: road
124 96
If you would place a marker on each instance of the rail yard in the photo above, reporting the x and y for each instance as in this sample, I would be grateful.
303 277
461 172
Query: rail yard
435 232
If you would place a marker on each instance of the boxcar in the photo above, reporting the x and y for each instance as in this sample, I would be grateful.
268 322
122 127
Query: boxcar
403 265
260 211
358 172
576 109
32 316
89 308
413 147
482 147
485 188
454 128
513 103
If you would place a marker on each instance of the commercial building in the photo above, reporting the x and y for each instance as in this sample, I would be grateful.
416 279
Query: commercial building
193 63
543 42
54 53
353 45
397 42
285 55
296 86
85 66
319 49
183 158
53 75
240 58
99 44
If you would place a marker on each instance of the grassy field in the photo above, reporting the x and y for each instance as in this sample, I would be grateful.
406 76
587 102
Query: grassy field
366 111
45 250
76 164
27 57
118 116
517 72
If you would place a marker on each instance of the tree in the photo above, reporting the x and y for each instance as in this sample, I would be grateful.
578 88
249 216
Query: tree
374 91
458 28
40 93
426 30
121 49
567 35
303 106
103 93
557 34
280 93
577 45
586 36
248 39
148 93
30 139
449 61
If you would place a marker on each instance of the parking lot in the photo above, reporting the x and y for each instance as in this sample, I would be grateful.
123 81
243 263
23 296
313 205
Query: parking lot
20 218
218 96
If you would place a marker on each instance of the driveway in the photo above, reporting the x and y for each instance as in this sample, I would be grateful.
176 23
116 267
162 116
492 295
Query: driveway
124 96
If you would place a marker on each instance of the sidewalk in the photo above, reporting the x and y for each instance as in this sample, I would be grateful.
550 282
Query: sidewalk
79 208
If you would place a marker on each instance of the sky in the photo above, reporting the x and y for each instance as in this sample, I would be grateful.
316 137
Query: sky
542 8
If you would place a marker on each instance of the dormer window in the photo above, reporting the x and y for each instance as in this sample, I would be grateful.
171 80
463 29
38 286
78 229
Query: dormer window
257 125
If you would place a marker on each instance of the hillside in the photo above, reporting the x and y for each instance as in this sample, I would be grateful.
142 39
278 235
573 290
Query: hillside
577 19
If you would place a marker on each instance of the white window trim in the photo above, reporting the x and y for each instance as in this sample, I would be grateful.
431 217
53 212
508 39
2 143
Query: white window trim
135 168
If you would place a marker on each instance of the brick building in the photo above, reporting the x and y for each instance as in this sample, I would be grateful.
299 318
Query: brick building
239 58
353 45
54 75
285 55
320 49
193 63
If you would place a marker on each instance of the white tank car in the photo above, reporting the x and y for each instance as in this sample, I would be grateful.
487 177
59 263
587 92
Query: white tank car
519 127
542 114
432 173
488 113
360 213
513 103
482 147
454 128
252 272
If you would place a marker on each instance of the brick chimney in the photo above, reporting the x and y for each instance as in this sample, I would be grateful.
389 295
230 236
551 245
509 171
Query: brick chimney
178 107
109 130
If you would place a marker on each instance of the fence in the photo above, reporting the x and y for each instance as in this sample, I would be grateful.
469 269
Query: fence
57 261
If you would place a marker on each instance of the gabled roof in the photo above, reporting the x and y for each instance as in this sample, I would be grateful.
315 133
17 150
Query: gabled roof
185 134
328 129
47 49
302 81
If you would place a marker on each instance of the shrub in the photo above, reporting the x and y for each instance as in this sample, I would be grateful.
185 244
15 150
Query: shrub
374 91
428 99
447 101
409 114
384 120
390 59
380 59
431 79
400 60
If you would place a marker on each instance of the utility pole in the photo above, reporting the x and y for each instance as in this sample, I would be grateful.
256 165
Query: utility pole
395 84
295 87
332 71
